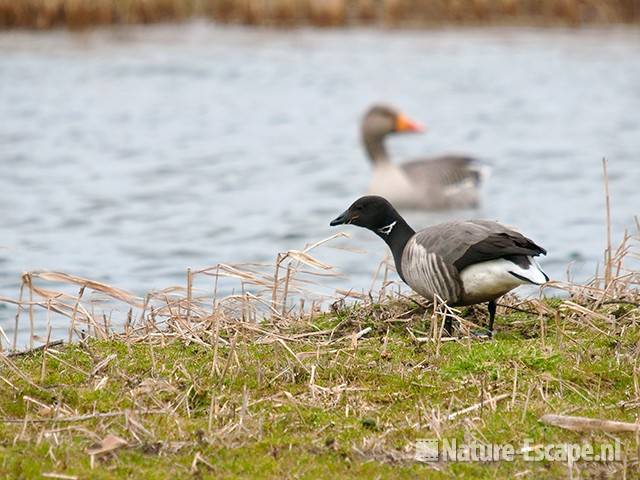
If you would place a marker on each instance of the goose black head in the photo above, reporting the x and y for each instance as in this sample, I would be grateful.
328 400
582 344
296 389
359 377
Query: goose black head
378 215
371 212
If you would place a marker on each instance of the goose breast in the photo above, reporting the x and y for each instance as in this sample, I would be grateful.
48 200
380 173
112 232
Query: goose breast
390 181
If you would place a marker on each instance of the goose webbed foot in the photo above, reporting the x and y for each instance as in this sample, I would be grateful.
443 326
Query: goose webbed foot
487 332
481 334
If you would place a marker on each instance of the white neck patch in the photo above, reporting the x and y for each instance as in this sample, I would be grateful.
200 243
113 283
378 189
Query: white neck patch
387 230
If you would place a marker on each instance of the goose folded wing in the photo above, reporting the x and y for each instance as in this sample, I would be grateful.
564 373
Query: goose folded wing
501 244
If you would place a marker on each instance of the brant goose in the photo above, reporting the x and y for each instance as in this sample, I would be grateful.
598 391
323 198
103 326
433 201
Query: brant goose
449 181
463 262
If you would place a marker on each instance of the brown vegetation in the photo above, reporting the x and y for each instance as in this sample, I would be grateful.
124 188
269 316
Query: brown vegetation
43 14
265 384
258 385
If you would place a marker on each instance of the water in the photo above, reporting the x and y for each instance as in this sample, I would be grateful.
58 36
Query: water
131 154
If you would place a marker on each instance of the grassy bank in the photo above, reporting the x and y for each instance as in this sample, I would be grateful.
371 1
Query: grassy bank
344 392
43 14
263 384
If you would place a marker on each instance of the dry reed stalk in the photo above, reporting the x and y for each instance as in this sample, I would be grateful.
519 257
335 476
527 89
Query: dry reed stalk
375 277
3 335
90 416
216 337
15 353
101 287
61 476
47 352
435 329
274 295
17 320
198 458
385 282
18 372
514 390
189 293
607 255
526 401
582 424
232 349
31 331
43 367
478 405
286 291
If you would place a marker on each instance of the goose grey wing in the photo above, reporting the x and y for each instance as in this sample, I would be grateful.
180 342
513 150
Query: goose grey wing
445 170
498 242
464 243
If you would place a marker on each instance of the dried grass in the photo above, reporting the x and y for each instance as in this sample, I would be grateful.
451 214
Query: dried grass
270 296
270 359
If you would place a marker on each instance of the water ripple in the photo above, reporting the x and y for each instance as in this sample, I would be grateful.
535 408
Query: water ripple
131 154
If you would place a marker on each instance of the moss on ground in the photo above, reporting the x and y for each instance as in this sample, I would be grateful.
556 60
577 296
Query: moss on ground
310 400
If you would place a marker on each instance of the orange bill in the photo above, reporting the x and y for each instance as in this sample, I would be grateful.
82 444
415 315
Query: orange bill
405 124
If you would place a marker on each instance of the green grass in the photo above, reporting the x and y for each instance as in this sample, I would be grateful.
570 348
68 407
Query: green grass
343 409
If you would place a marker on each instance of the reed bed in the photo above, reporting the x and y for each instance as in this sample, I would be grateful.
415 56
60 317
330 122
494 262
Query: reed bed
44 14
267 383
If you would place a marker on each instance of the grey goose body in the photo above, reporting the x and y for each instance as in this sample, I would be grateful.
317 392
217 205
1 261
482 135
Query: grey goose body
468 262
448 181
460 262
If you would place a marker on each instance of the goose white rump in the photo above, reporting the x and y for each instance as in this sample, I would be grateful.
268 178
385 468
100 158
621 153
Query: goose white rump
487 280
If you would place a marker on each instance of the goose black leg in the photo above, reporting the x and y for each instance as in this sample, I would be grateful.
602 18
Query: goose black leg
492 316
448 326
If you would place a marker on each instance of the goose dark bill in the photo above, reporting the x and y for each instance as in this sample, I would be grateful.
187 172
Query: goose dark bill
342 219
461 262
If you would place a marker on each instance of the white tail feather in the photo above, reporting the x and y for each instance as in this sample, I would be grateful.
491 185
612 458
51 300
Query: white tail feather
487 280
534 273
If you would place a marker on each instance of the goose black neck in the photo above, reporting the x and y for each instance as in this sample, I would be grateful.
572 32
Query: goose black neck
374 144
397 239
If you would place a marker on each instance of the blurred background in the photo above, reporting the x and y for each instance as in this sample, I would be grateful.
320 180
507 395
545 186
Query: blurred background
231 131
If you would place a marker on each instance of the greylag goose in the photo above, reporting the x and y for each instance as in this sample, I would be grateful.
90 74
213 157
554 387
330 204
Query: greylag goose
449 181
462 262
